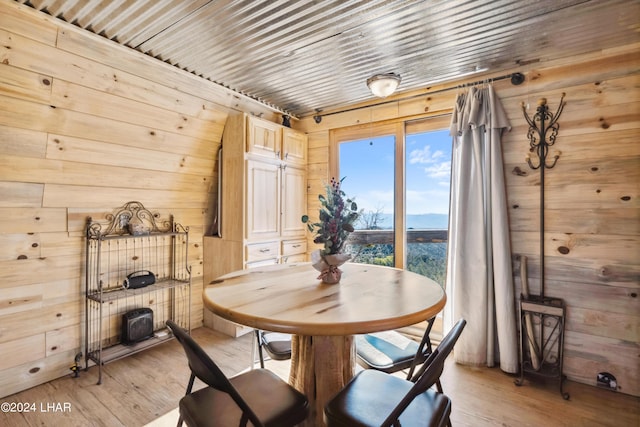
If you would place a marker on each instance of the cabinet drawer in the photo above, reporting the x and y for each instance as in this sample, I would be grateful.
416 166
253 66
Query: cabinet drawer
290 259
293 247
260 251
262 263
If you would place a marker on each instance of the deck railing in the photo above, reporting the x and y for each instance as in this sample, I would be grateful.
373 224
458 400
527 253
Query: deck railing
385 237
426 250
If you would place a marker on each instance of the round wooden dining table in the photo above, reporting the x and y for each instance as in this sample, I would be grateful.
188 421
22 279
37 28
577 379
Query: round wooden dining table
323 318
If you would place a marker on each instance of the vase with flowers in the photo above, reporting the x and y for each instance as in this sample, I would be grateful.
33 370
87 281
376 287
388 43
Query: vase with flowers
337 216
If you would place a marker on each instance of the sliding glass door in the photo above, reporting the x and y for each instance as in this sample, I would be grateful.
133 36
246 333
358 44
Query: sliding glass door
399 175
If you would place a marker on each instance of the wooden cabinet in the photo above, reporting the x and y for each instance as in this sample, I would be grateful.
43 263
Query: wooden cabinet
122 318
263 197
268 139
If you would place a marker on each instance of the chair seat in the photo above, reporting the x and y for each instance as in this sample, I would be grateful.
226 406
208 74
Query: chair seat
273 400
277 344
387 351
372 395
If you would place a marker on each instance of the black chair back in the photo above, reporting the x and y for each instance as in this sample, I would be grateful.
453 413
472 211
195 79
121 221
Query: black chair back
429 373
205 369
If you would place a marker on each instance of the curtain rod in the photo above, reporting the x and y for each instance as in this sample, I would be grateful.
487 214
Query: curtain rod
516 79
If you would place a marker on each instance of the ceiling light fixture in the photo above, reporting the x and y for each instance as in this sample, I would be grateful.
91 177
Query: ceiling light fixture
383 85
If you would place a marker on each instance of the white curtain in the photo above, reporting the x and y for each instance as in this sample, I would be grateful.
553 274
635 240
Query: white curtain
479 274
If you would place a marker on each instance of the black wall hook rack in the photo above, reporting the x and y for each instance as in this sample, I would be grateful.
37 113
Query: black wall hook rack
542 346
543 129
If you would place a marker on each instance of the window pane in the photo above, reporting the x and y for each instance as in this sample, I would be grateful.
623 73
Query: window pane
368 168
428 171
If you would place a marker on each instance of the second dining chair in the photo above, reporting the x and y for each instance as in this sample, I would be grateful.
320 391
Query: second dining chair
390 351
375 398
276 344
258 396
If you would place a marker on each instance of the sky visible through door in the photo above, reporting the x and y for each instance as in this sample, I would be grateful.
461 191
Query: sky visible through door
368 165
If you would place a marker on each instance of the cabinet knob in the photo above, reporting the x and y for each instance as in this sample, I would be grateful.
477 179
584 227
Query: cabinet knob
286 156
264 250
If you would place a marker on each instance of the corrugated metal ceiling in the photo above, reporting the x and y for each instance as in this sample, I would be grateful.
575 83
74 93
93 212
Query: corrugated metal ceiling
304 55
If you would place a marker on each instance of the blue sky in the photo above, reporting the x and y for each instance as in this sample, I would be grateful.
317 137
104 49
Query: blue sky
368 167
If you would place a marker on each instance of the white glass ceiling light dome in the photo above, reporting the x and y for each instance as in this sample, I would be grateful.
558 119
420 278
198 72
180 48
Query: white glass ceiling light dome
383 85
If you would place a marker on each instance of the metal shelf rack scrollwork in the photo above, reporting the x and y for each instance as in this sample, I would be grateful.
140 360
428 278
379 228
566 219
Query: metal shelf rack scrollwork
129 240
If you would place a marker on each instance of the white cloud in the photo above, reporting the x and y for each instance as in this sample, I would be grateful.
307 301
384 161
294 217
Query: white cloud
425 156
438 165
439 170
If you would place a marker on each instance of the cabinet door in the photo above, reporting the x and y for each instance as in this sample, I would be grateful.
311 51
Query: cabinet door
294 146
263 200
264 137
294 201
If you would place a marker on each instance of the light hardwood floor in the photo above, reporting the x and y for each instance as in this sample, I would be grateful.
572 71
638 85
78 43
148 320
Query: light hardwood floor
145 386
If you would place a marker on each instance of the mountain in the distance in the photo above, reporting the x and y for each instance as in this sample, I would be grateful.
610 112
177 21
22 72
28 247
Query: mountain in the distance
428 221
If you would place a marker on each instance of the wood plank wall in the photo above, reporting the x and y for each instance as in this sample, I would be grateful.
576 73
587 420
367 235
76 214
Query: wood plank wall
592 231
87 125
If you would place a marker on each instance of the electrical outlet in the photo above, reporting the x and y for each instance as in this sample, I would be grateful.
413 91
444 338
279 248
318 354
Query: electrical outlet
607 380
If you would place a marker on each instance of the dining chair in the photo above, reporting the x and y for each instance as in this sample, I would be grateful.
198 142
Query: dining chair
276 344
257 396
390 351
376 398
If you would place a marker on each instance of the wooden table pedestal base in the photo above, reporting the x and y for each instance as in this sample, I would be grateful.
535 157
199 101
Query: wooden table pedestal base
320 367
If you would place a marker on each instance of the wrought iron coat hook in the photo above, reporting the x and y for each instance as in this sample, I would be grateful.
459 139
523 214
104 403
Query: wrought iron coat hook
543 129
